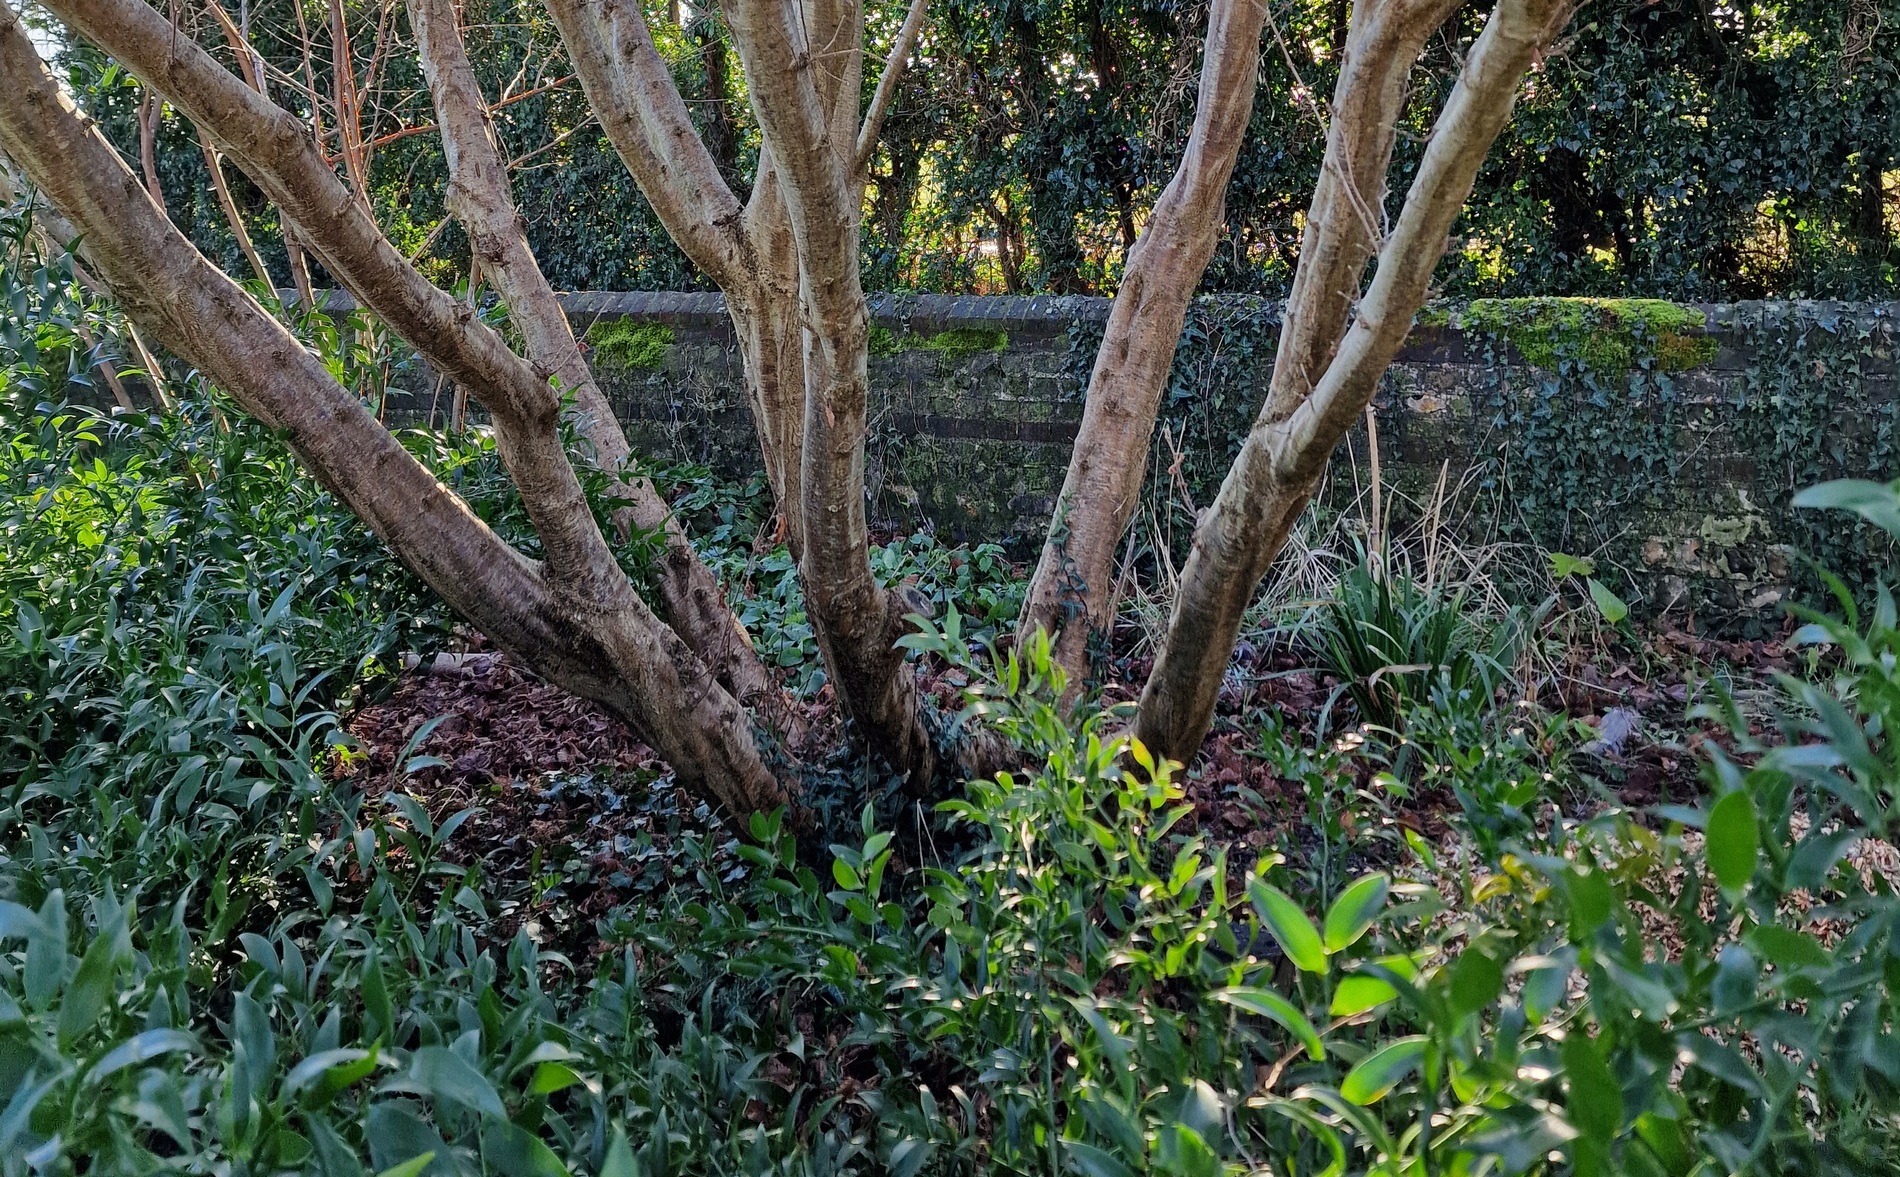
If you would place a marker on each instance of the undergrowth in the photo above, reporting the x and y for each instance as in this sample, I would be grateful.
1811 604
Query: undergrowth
217 958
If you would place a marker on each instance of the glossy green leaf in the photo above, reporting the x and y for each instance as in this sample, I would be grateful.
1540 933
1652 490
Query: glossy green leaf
1476 980
1284 920
1734 841
1876 502
1354 911
448 1075
1269 1004
1594 1099
1382 1070
1091 1161
619 1160
141 1048
1358 993
511 1149
1787 948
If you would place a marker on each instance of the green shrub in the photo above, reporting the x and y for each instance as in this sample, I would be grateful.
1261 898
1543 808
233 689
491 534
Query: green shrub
213 959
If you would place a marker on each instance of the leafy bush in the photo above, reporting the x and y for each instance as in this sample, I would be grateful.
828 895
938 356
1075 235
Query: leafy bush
215 959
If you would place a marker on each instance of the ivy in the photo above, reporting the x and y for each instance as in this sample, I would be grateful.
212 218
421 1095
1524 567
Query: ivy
1594 445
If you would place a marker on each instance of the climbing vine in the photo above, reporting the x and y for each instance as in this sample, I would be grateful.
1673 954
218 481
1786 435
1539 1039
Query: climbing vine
1593 427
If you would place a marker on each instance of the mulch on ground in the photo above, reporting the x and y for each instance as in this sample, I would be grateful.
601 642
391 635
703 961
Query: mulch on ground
581 816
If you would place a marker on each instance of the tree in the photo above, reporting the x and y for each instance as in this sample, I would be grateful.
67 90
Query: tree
679 670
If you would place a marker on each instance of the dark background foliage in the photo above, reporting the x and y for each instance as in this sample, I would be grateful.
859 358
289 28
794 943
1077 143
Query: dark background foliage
1686 149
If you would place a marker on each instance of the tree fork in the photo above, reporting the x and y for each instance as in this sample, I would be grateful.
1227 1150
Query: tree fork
1285 453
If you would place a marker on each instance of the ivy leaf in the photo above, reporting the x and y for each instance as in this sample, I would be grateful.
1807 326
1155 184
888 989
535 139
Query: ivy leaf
1563 567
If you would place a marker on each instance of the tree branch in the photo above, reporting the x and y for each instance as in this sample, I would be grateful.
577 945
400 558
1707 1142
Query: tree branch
887 83
1286 452
611 650
480 196
275 149
639 107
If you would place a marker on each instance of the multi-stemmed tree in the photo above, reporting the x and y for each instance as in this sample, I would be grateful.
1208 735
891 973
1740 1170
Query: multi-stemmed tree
678 667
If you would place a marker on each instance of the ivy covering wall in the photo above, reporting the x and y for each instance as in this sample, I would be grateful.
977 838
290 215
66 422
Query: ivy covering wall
1662 440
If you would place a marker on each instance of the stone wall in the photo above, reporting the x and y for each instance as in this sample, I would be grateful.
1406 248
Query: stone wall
1675 481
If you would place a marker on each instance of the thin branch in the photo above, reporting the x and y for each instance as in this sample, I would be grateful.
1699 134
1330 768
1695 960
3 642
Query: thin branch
216 167
887 84
430 128
519 161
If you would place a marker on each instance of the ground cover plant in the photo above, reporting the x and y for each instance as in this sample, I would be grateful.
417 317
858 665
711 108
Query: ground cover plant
235 939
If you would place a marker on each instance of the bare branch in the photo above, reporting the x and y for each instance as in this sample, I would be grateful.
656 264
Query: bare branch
887 84
215 166
275 150
633 94
480 197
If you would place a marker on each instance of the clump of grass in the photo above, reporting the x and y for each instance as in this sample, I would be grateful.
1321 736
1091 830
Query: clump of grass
623 344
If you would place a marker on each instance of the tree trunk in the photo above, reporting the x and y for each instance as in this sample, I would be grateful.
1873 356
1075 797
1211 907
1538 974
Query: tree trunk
480 196
1291 441
1071 594
575 618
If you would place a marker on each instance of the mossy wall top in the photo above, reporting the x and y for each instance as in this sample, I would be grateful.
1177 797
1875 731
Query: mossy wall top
1664 440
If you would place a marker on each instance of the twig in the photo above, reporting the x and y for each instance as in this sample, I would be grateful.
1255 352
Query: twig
887 84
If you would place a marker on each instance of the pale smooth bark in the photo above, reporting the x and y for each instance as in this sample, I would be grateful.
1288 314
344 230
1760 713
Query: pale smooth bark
1072 594
806 102
788 263
574 618
1287 449
746 250
481 197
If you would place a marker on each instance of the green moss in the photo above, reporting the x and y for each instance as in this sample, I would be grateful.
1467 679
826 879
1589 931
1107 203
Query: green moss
1607 335
623 343
965 341
883 341
1433 317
